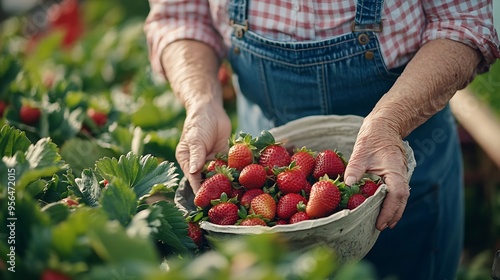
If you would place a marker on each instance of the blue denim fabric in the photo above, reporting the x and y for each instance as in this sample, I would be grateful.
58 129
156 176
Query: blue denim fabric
284 81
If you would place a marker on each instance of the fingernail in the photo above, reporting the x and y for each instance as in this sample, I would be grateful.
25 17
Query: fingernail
192 169
350 180
384 227
393 225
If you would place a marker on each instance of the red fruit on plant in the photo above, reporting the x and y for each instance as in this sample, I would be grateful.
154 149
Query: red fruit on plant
324 198
252 221
247 197
195 233
213 187
368 187
70 202
329 162
99 118
223 212
304 160
272 156
29 115
288 205
3 105
299 217
223 75
253 176
290 179
263 205
51 274
355 200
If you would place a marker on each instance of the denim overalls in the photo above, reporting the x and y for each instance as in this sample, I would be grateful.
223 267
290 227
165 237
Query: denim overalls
284 81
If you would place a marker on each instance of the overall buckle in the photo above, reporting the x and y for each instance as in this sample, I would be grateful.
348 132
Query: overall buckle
375 27
239 29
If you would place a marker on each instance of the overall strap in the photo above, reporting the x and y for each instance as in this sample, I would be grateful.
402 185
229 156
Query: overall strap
238 12
368 16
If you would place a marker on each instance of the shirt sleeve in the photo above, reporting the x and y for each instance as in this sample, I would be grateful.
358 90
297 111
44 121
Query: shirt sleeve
469 22
172 20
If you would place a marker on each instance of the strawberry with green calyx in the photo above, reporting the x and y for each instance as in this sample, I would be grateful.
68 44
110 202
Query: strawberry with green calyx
355 200
247 197
236 191
304 159
253 176
290 179
272 153
70 202
324 198
241 151
220 160
250 219
224 211
290 204
214 186
329 162
263 205
368 187
346 192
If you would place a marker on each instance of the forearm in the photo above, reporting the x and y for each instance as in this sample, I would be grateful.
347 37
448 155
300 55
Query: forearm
429 81
191 68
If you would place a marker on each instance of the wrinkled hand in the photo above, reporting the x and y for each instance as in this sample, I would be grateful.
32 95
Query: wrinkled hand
206 131
379 150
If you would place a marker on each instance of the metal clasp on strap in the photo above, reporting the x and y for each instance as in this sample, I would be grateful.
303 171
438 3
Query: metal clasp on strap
375 27
239 30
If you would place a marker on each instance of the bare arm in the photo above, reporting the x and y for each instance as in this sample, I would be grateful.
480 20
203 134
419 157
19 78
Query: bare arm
437 71
191 68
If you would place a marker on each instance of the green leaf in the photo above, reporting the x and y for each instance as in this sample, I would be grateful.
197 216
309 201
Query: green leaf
173 229
87 188
118 201
40 160
81 154
12 140
56 211
140 173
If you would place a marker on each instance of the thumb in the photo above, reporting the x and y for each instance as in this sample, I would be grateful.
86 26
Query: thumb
355 170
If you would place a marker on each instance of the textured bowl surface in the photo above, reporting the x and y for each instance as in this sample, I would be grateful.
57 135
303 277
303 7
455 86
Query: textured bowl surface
351 233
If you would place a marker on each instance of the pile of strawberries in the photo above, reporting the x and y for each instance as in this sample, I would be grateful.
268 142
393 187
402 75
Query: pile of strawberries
260 182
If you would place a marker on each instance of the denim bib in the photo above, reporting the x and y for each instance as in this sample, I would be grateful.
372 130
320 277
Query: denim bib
278 82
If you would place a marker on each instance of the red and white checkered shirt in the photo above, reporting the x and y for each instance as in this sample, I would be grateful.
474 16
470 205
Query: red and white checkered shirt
407 25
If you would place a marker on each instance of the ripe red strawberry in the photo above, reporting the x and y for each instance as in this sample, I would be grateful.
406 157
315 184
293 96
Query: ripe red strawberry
29 115
263 205
299 217
275 155
281 222
70 202
355 200
213 187
288 205
236 192
223 211
324 198
368 187
214 163
290 179
50 274
240 153
3 105
195 233
252 221
99 118
329 162
253 176
247 197
304 159
307 188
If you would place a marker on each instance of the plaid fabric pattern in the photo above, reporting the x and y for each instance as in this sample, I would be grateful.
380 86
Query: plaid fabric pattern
406 24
